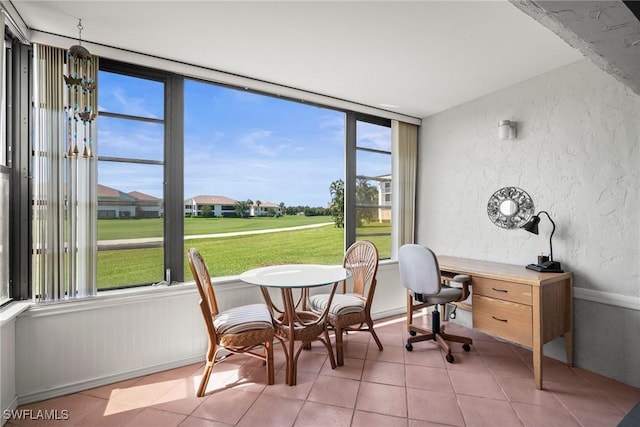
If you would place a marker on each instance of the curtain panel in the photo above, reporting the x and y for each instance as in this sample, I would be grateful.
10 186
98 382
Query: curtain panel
404 146
64 177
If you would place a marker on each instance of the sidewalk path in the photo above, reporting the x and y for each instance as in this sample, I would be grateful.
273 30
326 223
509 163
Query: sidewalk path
154 242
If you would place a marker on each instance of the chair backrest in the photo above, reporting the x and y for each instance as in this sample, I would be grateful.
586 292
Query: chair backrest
361 259
419 269
208 304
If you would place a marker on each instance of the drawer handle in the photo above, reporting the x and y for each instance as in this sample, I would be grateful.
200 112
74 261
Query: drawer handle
500 320
500 290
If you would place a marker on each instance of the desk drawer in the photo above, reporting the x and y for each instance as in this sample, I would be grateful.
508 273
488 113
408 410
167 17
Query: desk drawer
508 291
508 320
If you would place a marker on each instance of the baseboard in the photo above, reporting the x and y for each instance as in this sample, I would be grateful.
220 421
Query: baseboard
12 406
99 382
609 298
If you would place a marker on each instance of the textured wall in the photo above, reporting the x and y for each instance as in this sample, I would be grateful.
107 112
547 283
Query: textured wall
577 154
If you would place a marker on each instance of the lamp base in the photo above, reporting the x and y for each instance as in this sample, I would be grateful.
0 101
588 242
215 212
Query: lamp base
546 267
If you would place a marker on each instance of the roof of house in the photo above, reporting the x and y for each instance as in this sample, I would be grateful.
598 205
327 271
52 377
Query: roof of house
142 196
211 200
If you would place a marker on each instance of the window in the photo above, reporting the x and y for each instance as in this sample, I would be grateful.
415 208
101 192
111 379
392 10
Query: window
131 144
253 162
5 178
188 163
369 208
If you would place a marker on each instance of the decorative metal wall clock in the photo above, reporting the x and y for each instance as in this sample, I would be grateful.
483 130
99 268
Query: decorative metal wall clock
510 207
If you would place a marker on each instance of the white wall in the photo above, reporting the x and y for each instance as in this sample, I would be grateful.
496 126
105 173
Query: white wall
68 347
577 154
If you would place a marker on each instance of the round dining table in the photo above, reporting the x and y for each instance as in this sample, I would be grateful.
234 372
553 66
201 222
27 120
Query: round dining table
293 322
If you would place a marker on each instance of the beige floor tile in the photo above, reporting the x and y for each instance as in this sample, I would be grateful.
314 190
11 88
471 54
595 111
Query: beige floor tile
352 369
315 414
155 418
269 410
201 422
544 416
382 399
370 419
473 384
383 372
390 353
427 378
524 391
482 411
434 406
226 406
335 391
508 366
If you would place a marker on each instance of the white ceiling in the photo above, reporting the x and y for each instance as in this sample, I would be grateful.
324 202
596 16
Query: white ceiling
415 58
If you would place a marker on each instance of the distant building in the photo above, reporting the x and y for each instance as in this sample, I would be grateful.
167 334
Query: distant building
384 198
265 209
220 205
114 203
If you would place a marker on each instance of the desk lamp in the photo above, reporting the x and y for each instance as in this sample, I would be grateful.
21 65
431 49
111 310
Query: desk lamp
549 266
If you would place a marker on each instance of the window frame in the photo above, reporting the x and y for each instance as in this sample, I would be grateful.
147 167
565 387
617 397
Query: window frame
173 163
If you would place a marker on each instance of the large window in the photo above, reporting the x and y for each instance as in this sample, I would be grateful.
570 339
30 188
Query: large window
246 178
254 162
373 185
131 144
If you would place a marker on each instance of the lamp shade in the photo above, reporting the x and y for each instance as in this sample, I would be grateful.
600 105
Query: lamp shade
532 225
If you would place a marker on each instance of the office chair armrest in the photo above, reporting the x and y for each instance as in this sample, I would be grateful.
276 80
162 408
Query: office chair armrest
460 281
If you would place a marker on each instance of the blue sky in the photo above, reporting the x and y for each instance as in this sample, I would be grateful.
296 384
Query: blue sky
237 144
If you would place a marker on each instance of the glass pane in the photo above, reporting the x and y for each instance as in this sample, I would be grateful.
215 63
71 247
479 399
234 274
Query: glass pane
4 235
254 162
130 138
373 136
130 95
130 224
126 267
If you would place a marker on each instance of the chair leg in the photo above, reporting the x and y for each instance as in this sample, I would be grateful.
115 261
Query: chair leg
211 357
373 333
268 348
339 344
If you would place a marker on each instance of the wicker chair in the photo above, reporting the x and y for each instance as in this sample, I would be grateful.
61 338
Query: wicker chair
238 330
352 311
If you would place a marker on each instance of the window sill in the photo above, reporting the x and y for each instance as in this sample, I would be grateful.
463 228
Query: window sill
12 310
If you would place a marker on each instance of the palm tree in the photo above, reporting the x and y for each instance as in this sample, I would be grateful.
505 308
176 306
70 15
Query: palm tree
337 202
258 203
241 208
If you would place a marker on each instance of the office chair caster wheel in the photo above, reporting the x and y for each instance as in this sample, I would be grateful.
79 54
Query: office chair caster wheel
412 333
466 347
449 358
409 347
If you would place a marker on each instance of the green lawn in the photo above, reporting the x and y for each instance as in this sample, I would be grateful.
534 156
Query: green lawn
111 229
232 255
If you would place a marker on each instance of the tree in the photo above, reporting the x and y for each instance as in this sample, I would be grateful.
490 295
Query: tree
337 202
241 208
282 208
206 211
258 203
366 194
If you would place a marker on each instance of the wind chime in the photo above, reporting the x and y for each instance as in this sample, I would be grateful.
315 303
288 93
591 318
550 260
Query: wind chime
79 114
81 85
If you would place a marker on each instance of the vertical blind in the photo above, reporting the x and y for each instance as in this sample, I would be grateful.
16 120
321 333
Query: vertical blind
64 207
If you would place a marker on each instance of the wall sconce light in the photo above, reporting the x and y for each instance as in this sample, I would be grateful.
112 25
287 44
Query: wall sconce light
507 129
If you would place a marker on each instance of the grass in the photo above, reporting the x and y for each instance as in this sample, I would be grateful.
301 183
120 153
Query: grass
112 229
228 256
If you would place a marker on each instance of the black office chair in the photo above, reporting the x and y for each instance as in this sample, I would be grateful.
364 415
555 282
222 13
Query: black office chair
421 276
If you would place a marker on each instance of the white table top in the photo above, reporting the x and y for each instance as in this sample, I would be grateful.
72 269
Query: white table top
295 275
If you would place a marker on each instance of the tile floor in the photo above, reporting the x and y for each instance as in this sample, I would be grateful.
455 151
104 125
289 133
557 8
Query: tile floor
492 385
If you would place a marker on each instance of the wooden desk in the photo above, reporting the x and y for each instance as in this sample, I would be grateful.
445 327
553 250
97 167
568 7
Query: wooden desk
519 305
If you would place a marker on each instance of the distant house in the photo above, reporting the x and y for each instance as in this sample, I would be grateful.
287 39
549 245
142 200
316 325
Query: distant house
384 198
220 205
265 209
113 203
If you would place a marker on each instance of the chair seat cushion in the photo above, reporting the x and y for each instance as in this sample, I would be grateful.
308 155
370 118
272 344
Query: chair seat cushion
243 318
341 304
447 294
